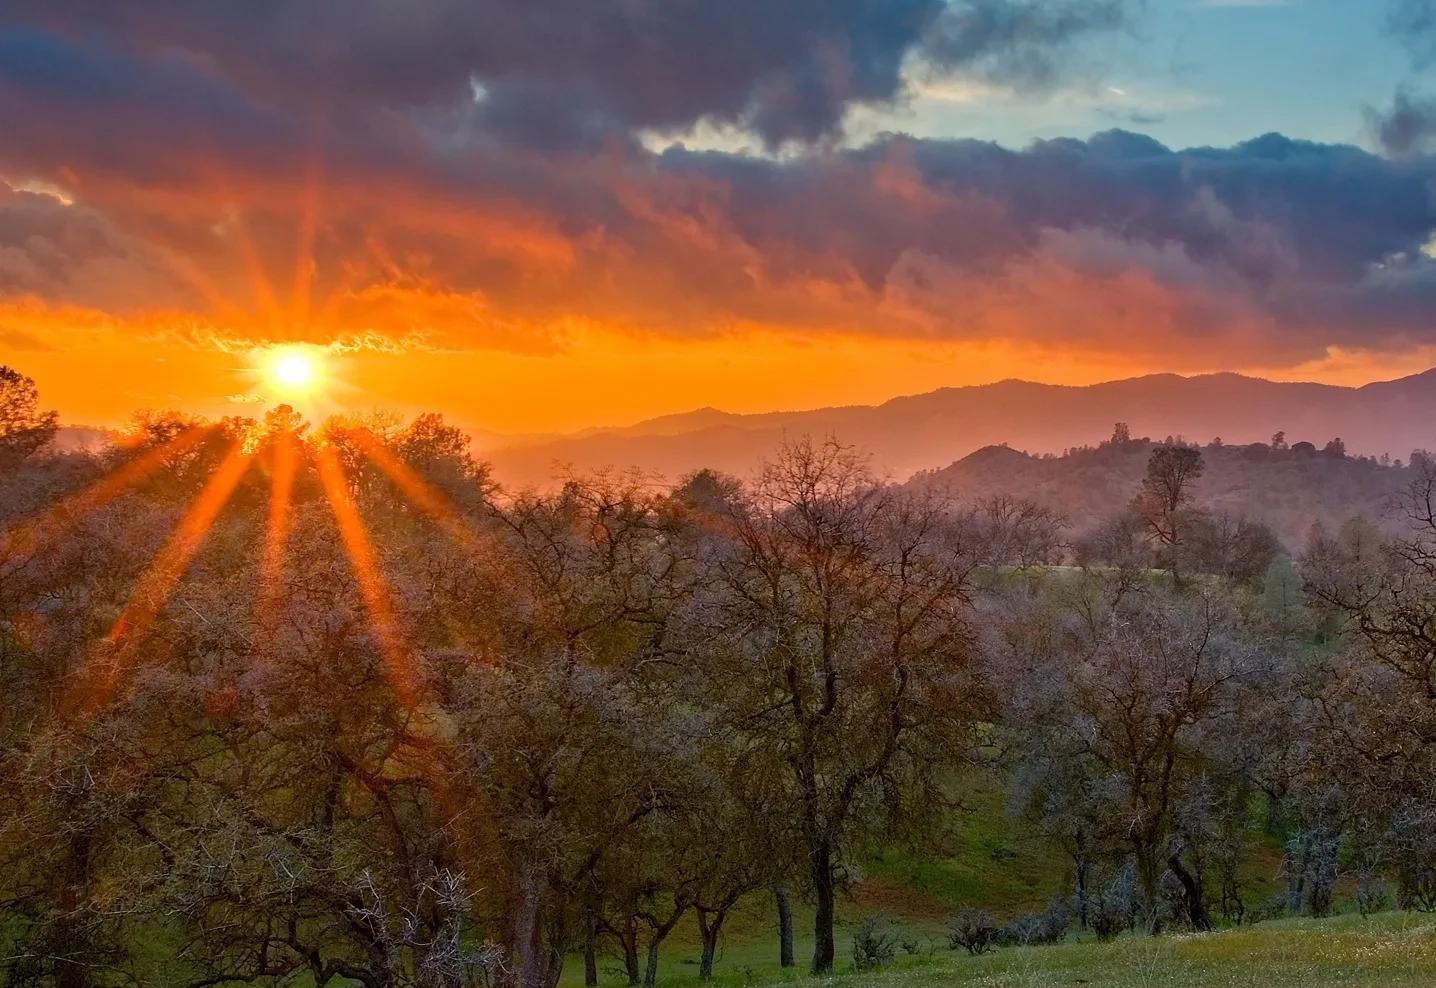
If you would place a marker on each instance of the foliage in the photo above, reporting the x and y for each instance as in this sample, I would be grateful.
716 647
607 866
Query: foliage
24 429
1032 929
973 930
874 944
289 706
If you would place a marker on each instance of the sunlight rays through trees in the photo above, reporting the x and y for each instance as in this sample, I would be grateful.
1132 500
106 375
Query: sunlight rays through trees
295 704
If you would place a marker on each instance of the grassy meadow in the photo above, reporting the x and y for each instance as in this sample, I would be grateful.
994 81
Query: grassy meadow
1390 950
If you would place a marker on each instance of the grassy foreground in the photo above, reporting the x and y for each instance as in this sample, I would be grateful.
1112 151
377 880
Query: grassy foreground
1393 949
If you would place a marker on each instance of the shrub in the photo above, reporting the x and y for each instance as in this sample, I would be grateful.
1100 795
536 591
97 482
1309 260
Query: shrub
1418 888
1116 908
1045 927
874 944
1412 847
1312 864
1372 894
973 930
1276 908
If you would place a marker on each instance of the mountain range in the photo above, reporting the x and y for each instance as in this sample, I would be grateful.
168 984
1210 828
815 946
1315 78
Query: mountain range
927 431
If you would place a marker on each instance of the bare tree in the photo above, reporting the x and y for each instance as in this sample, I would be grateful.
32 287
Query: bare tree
844 651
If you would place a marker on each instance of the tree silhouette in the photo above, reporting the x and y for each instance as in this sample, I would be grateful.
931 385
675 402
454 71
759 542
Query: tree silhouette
24 429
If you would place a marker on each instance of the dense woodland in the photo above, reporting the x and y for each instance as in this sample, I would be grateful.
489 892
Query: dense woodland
302 704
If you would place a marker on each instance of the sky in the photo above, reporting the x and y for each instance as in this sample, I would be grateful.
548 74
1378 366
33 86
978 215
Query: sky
540 217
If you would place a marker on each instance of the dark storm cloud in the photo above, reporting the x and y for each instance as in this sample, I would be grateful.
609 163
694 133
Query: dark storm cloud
1279 227
567 70
788 70
72 255
66 101
475 176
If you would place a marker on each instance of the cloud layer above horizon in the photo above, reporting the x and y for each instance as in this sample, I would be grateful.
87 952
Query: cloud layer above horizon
503 176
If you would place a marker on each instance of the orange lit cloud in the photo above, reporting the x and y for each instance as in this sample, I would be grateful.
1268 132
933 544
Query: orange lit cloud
463 209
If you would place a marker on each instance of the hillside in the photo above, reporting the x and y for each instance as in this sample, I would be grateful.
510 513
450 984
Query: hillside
1288 489
1389 950
909 434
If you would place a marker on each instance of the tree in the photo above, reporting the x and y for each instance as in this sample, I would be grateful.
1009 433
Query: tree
1155 685
1166 491
1016 532
843 651
1373 702
564 723
1118 544
24 429
1240 550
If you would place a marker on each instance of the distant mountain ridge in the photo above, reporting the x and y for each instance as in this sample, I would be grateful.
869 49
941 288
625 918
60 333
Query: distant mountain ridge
912 433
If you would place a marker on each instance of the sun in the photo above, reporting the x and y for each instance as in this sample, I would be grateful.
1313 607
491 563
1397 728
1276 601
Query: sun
294 371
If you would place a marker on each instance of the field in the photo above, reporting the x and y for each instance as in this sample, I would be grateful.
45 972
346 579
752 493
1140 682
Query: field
1390 950
990 860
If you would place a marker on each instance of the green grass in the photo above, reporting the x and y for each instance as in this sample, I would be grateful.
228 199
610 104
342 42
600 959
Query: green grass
988 860
1388 950
1392 950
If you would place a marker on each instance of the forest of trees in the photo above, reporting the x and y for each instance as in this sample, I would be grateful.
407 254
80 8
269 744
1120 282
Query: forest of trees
284 703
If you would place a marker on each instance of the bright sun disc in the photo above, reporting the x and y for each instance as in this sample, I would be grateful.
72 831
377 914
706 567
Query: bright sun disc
294 371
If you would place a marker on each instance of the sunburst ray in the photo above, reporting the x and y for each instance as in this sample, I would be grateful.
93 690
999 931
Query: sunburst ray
398 661
279 519
155 585
424 495
29 534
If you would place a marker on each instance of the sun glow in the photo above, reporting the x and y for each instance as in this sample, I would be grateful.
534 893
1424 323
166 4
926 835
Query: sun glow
293 372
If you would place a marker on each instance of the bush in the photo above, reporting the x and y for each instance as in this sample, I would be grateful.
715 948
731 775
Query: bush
1372 894
973 930
1040 928
1312 865
1412 847
1276 908
874 944
1116 908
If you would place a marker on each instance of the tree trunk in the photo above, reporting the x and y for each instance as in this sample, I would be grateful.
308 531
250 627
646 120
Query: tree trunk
590 948
1191 893
824 895
71 967
661 929
1276 816
1148 879
785 924
534 954
70 971
629 939
708 931
1080 861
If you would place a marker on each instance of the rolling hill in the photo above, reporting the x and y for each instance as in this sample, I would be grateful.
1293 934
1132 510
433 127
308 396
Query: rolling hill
1287 489
909 434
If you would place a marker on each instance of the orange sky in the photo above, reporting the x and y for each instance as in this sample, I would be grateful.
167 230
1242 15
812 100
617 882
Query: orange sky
98 371
540 219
